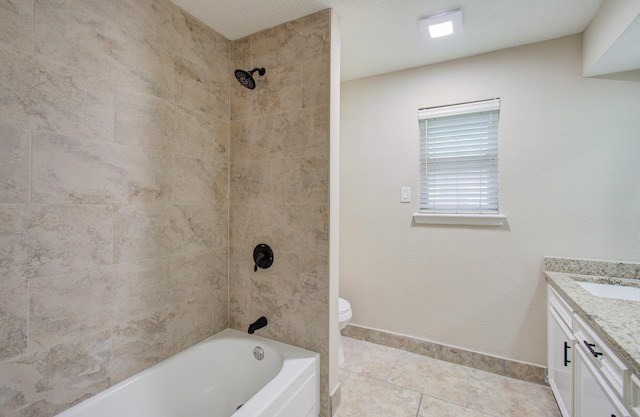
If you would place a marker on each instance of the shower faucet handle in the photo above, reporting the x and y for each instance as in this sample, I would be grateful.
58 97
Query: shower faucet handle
262 257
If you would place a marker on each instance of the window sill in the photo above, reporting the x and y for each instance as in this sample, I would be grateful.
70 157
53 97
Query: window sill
486 220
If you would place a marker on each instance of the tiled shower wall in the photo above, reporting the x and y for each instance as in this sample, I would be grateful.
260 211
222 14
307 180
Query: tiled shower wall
114 166
280 185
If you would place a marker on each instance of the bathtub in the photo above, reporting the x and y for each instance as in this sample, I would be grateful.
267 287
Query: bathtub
213 379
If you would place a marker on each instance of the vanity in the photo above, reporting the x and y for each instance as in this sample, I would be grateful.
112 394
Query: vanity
593 337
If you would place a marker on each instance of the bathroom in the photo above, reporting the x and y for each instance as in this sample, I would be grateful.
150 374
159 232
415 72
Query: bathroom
122 246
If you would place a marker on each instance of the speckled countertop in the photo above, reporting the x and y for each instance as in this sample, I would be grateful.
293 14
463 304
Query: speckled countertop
617 321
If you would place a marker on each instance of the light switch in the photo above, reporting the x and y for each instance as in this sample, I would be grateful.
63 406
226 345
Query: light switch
405 194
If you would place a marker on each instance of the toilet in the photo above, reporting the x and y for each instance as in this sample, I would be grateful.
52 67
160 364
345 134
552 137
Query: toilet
344 317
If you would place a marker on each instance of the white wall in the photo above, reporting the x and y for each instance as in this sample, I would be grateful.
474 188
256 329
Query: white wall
570 187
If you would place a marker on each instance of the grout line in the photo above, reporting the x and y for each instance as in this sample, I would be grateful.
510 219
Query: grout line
30 166
33 29
394 365
468 388
26 349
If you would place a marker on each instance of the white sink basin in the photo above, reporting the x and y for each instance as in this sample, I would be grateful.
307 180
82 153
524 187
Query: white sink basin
620 292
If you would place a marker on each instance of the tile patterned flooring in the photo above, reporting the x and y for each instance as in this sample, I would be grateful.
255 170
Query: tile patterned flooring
379 381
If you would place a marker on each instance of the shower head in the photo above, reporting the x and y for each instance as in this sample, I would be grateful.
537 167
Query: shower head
246 78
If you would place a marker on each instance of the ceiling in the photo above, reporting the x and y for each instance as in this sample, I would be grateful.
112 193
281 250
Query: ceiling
380 36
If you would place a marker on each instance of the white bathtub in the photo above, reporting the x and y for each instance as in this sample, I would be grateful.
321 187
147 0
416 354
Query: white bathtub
213 378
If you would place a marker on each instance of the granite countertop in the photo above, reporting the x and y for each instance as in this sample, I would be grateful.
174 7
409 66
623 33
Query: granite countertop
617 321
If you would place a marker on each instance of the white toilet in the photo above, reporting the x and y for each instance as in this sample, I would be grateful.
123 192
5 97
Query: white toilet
344 317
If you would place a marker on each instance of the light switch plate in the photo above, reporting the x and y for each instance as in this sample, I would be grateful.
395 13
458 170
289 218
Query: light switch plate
405 194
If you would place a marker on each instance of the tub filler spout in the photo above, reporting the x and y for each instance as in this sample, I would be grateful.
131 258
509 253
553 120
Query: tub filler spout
257 325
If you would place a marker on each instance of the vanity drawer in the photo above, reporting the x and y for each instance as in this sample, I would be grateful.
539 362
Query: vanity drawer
601 355
559 305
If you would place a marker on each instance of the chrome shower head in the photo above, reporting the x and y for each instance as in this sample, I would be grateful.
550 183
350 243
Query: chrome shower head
246 78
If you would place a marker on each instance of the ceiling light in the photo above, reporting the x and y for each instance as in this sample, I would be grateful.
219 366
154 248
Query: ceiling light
441 24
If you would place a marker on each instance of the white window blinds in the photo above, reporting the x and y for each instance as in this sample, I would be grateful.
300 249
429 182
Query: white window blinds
459 158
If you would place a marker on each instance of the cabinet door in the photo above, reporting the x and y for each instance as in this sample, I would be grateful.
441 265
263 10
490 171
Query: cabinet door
593 396
560 361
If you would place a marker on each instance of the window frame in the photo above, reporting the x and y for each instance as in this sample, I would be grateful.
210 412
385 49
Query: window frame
457 216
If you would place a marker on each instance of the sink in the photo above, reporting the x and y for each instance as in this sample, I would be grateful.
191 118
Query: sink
620 292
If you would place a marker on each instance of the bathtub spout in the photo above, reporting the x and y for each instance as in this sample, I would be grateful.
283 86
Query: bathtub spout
257 325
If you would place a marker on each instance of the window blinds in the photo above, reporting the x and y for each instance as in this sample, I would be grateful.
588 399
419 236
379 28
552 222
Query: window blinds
459 158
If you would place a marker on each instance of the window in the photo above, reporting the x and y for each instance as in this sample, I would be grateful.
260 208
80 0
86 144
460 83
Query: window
459 163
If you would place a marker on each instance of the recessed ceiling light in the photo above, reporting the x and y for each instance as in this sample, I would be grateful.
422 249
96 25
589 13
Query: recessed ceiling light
441 24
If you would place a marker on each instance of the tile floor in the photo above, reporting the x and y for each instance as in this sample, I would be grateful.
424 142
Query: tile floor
379 381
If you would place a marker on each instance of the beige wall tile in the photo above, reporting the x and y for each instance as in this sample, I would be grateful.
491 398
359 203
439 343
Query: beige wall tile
155 123
221 144
239 232
15 160
143 288
312 282
220 232
240 270
240 131
16 24
14 314
278 91
272 136
146 121
65 307
199 181
315 82
161 22
98 90
46 382
75 37
313 35
310 226
192 323
312 132
144 66
314 181
198 135
201 89
207 48
36 94
81 38
273 225
220 318
280 280
198 276
274 47
81 171
241 54
142 232
240 100
141 343
250 182
52 239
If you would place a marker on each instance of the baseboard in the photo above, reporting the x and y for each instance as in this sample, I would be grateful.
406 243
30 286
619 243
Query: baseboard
500 366
336 400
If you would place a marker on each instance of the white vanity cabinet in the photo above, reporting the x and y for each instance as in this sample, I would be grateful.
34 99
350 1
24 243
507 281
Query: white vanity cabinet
560 348
586 376
594 397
